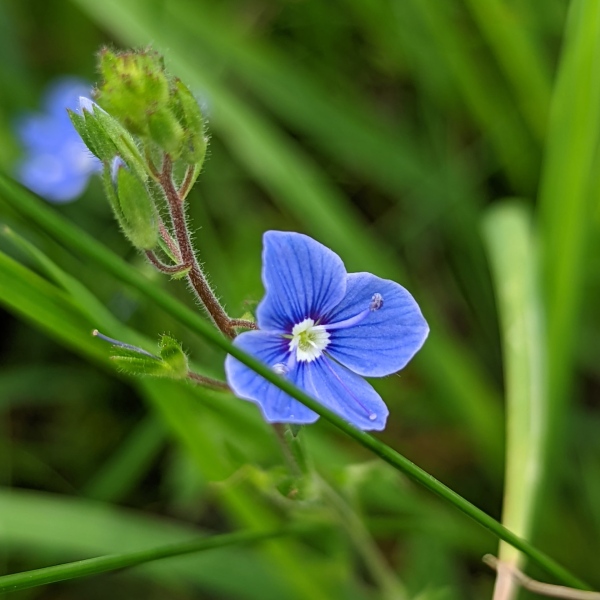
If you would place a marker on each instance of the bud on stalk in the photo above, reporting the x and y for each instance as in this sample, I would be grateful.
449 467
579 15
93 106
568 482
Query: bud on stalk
132 204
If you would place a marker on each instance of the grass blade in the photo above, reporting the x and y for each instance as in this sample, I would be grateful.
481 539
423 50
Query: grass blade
296 182
486 99
518 57
102 564
64 528
568 188
515 273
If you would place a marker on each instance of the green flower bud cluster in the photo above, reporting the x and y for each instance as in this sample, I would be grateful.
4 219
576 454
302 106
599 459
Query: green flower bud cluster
143 115
151 104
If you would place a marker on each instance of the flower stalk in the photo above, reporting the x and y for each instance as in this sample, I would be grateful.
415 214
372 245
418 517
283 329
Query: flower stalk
196 277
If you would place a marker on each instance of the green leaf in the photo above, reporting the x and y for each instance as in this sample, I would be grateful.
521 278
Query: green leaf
486 98
512 42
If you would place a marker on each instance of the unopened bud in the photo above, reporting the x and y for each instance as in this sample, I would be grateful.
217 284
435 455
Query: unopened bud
152 104
132 204
106 137
135 85
190 116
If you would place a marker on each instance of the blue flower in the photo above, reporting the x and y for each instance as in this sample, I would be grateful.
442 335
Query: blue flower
57 165
325 329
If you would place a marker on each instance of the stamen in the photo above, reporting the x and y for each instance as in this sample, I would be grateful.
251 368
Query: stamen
308 340
375 304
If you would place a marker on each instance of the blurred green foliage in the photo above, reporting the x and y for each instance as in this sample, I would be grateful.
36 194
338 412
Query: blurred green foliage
390 130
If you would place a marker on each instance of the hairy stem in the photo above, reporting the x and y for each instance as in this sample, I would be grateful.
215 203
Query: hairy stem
208 381
195 276
169 241
243 323
187 183
162 267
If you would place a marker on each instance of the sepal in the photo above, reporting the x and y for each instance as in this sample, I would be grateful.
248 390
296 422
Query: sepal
132 204
190 116
106 137
171 364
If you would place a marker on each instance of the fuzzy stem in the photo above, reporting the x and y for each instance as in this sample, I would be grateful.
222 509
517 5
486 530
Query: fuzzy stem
162 267
195 276
243 323
169 241
187 183
208 382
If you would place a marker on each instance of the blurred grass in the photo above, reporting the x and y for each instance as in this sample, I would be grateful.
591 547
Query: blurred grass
385 129
528 413
568 195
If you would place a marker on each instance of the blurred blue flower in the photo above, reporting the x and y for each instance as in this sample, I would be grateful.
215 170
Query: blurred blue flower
325 330
57 165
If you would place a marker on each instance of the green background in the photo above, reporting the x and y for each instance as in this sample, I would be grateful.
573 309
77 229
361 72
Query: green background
450 146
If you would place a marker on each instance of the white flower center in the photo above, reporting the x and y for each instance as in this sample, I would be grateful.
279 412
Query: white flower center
308 340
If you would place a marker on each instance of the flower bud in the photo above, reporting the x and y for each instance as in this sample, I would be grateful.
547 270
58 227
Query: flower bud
172 363
174 357
151 104
135 85
132 204
165 131
190 116
106 137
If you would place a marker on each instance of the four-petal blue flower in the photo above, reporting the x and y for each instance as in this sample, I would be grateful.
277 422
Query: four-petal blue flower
57 164
325 329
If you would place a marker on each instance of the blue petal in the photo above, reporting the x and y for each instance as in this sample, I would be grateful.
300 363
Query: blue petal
387 338
346 394
50 177
64 93
276 405
302 278
40 133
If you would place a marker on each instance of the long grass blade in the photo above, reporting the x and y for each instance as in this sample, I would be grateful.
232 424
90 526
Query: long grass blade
513 258
62 528
568 189
521 61
102 564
